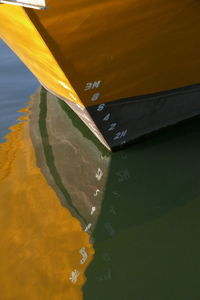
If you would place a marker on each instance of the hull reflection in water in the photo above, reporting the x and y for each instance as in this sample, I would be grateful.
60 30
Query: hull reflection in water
73 166
43 249
141 206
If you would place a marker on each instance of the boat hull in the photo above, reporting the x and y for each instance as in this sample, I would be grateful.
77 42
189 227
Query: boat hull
117 55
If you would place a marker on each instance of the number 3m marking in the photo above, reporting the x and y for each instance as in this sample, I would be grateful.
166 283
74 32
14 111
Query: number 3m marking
92 85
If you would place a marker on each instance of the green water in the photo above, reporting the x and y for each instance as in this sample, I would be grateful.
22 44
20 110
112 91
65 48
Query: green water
147 237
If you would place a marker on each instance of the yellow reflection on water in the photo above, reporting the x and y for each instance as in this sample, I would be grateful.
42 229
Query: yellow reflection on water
40 240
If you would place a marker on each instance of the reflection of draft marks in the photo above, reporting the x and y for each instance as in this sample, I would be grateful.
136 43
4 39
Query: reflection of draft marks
110 229
124 156
116 194
106 276
93 210
88 227
84 255
99 174
96 193
106 257
123 175
74 276
112 210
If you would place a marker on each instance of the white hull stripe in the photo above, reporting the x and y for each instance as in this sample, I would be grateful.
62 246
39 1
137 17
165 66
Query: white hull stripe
36 4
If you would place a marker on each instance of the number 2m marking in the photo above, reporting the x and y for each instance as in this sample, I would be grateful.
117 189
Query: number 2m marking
120 134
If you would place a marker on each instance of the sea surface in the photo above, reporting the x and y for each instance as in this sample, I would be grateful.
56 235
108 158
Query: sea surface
80 223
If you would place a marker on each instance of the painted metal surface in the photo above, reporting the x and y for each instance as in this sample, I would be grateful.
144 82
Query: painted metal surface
90 54
21 35
113 49
126 121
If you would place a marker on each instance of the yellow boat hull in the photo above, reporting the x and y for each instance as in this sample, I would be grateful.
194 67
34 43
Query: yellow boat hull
112 53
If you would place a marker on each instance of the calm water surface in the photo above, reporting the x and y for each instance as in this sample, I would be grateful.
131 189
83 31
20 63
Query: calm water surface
78 222
16 85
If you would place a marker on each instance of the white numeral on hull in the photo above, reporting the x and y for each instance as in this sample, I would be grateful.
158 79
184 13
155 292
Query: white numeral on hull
92 85
120 134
